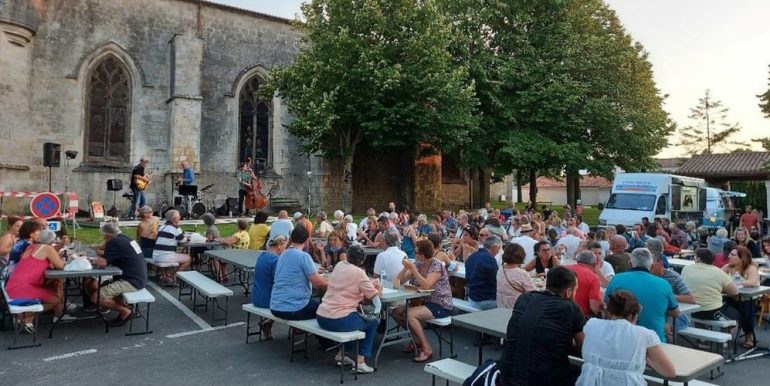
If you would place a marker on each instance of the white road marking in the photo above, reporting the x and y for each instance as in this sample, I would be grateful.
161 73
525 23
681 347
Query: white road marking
193 332
195 318
70 355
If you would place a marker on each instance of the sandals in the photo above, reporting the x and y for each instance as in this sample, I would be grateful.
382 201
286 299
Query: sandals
423 357
28 328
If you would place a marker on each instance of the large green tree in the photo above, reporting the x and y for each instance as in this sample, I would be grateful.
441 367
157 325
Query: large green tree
377 75
710 130
562 87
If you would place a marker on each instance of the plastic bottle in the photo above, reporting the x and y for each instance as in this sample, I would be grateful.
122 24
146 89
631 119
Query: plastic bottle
384 279
737 280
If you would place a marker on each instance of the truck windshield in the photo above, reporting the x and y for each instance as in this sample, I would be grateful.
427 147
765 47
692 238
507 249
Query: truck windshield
645 202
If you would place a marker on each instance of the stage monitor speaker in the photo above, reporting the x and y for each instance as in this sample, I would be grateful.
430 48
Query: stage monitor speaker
114 185
51 155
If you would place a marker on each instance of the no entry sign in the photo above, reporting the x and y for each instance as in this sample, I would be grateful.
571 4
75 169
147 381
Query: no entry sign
45 205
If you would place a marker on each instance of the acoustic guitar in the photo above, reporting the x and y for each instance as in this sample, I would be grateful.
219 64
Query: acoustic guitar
142 182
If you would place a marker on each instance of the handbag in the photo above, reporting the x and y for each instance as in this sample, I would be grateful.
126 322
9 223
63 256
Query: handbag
367 313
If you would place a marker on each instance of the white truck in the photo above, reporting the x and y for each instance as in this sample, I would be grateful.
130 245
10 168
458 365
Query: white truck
653 195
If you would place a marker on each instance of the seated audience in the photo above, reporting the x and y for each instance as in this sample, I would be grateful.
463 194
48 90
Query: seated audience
587 295
619 258
348 287
122 252
602 269
468 243
653 293
544 329
742 239
282 226
7 242
544 259
335 250
264 274
745 273
28 279
169 235
391 259
481 274
707 283
147 230
681 291
512 280
323 226
259 231
239 240
616 351
425 273
438 253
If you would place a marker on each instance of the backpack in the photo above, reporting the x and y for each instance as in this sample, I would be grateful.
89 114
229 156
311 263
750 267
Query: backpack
485 375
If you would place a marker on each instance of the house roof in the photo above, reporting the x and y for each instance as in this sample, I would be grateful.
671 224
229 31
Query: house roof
743 165
670 163
585 182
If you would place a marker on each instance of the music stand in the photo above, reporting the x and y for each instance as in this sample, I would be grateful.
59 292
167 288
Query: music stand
188 190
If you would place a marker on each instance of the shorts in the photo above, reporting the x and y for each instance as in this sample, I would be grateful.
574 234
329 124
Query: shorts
437 311
116 288
171 257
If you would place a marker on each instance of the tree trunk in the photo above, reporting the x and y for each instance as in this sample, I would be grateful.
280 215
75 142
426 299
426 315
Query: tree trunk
576 187
519 182
533 186
347 182
570 189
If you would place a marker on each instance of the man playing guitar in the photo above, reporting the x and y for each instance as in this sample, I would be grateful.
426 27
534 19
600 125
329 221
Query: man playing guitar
139 182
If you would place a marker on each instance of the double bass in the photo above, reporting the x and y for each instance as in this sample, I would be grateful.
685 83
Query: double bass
254 199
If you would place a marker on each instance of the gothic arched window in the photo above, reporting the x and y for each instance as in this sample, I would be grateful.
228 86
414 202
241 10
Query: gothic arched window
108 112
254 124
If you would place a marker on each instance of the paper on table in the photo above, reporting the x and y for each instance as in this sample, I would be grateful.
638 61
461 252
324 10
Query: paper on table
388 291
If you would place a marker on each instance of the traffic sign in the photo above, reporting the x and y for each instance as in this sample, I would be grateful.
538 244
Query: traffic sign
45 205
54 226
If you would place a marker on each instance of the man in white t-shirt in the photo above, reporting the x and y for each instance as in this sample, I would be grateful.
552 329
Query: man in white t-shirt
282 226
571 242
526 242
581 226
391 259
603 269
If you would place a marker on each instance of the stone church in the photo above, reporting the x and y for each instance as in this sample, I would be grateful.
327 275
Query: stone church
172 81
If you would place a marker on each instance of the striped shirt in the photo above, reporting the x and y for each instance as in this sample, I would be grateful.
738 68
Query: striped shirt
168 237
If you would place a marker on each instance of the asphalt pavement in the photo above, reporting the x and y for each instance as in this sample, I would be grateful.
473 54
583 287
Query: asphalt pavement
185 349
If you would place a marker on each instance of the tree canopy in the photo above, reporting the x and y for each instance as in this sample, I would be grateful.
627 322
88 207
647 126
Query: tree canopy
377 75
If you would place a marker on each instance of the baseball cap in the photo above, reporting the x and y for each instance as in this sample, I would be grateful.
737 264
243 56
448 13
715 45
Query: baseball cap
277 239
297 215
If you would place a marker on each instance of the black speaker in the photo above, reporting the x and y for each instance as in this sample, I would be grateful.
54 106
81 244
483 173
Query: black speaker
114 185
51 155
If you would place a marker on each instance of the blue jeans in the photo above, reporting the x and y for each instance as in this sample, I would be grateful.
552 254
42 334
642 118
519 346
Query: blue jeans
353 322
484 304
304 313
138 199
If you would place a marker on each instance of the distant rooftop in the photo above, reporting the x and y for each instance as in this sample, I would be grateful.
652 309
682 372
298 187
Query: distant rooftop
743 165
585 182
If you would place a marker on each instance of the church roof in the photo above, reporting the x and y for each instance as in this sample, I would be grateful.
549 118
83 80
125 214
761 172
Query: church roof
745 165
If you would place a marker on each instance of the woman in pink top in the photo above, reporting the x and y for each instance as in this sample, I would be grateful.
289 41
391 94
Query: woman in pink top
28 279
348 286
512 280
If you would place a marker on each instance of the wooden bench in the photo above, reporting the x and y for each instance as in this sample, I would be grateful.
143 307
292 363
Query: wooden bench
306 326
209 289
464 305
134 300
436 326
449 369
15 312
158 266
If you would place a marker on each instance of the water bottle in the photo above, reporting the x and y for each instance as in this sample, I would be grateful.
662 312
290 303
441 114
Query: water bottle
384 279
737 280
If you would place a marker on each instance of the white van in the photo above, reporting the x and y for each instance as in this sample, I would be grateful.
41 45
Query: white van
652 195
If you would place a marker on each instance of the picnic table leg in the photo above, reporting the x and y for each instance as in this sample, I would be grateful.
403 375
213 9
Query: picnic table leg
355 355
738 328
481 347
99 304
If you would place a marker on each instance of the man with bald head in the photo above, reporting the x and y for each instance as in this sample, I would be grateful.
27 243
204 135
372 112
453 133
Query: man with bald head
619 259
283 226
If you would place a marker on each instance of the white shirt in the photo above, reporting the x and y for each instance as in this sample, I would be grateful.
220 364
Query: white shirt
607 270
352 231
572 243
583 227
513 232
364 224
615 353
390 261
528 244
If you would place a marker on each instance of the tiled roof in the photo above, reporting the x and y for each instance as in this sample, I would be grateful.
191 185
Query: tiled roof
670 163
744 165
585 182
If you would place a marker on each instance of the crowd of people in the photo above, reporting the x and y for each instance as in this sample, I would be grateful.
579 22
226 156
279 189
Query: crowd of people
610 292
